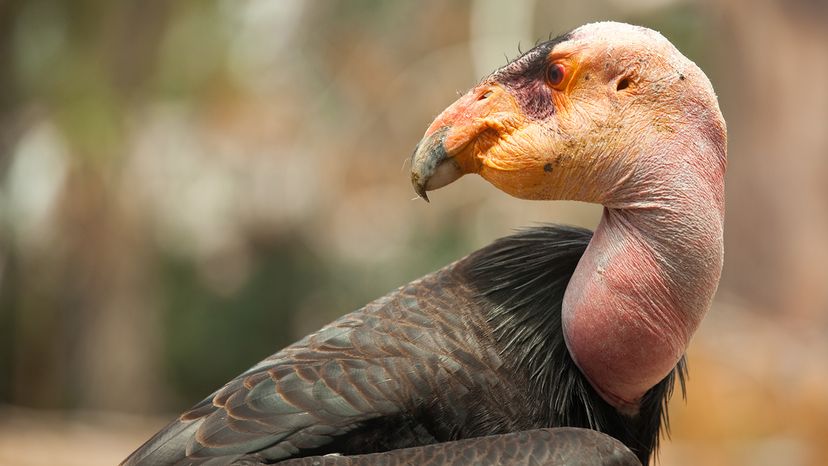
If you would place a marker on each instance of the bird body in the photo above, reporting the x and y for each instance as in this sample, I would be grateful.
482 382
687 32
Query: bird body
550 327
471 350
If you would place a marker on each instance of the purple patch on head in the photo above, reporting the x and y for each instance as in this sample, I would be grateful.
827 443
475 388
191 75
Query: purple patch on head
525 79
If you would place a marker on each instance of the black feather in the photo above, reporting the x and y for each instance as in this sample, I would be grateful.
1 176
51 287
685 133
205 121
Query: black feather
520 282
471 350
525 78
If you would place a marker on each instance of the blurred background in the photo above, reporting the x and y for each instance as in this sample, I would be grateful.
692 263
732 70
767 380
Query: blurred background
187 187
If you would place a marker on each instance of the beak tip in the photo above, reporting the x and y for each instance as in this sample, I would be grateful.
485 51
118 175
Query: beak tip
419 187
428 156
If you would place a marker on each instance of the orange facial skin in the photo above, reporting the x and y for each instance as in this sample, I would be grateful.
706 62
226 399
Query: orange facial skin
501 128
575 140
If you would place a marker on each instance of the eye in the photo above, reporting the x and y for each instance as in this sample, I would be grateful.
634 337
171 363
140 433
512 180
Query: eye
555 74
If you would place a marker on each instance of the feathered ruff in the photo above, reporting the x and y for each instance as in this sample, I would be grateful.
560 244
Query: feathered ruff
520 282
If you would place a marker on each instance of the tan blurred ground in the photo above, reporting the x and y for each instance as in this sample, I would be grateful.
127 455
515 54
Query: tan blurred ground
39 438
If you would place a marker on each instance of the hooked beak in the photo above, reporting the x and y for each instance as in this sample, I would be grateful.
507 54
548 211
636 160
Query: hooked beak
431 166
449 148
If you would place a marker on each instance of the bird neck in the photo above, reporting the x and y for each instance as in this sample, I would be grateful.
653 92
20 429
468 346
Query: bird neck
646 280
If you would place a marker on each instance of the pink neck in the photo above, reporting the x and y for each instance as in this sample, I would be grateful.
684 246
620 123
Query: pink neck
646 280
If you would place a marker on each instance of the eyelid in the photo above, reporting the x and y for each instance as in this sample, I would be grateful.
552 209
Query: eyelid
572 70
565 70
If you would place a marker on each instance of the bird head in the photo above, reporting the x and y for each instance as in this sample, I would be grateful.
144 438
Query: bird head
585 116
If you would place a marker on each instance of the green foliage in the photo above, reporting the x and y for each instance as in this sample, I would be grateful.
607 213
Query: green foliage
209 337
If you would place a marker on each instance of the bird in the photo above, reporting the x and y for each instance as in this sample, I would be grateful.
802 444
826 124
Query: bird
553 327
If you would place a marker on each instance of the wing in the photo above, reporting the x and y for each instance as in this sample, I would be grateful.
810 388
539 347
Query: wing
551 447
391 359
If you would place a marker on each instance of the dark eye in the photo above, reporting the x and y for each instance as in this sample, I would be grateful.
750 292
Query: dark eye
555 74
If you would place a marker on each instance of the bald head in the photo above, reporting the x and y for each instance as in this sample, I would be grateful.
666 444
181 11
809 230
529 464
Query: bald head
575 117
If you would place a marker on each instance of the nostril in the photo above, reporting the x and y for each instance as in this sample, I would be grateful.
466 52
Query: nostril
485 95
623 84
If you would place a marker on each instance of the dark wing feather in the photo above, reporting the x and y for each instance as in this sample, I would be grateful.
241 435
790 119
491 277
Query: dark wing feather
472 350
550 447
390 359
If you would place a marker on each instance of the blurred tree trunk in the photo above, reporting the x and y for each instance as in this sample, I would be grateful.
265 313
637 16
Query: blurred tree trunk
115 336
9 95
83 304
779 173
